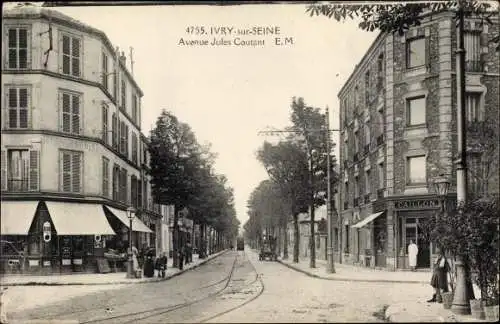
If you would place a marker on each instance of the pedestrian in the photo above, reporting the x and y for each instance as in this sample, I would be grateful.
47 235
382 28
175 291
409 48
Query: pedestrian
439 280
181 258
161 265
149 271
412 255
135 262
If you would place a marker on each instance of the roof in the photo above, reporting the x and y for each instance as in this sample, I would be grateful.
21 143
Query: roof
36 11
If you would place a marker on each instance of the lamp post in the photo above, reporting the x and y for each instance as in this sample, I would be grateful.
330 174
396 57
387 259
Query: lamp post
130 215
441 187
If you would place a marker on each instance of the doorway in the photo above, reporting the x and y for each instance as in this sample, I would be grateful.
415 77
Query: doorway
414 232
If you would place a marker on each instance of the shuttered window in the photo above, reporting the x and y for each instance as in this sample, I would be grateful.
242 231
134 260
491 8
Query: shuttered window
122 137
105 177
133 190
105 74
71 110
18 99
18 50
115 86
34 176
134 148
105 124
123 186
71 171
114 131
126 140
123 103
71 55
134 108
139 193
472 44
116 182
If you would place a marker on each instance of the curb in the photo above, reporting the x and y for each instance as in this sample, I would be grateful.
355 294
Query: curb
347 279
34 283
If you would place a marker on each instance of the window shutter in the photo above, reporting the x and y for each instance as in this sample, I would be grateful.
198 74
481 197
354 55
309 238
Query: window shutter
34 177
12 48
23 48
13 104
75 114
126 140
7 34
105 124
66 112
3 162
66 171
76 166
75 56
23 108
65 44
105 177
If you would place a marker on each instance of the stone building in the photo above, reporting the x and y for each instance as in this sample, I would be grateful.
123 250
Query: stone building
398 133
73 158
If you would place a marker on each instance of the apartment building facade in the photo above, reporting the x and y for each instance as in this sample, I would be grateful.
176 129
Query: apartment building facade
398 133
73 157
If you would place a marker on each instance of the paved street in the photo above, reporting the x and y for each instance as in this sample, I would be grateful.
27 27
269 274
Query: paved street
256 291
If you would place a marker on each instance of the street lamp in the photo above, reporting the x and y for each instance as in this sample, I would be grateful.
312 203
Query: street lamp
441 186
130 215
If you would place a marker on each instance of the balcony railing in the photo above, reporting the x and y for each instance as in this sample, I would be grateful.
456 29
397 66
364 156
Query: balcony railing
474 66
17 185
356 202
150 206
367 198
380 193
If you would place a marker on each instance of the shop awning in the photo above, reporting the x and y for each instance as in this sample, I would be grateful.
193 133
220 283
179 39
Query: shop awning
367 220
16 216
78 218
137 224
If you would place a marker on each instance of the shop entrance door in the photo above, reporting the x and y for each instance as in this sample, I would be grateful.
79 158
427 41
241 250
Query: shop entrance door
423 257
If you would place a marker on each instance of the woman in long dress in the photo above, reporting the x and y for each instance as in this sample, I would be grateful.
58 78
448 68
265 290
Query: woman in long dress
135 262
439 280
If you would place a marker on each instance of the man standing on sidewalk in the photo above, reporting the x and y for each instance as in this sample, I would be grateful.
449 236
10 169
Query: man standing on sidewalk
412 255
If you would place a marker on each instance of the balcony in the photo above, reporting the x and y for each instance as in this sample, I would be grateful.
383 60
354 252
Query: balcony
380 193
151 207
367 198
380 139
474 66
19 185
356 202
346 205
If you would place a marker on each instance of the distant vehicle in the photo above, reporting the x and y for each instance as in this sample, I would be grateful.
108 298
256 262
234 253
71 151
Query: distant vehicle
240 244
268 249
11 259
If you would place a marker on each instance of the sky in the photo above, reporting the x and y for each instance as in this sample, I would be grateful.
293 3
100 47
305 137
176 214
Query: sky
227 94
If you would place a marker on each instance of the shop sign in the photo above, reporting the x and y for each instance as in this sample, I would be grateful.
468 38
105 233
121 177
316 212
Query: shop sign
417 204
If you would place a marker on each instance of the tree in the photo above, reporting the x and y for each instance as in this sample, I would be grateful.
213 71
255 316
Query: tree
175 157
286 165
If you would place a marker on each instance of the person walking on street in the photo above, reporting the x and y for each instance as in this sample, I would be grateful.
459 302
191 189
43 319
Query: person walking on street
439 280
412 255
161 265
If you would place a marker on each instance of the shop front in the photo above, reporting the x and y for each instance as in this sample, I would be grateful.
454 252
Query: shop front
54 237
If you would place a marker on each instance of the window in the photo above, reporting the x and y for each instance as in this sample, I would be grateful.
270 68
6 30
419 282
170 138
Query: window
18 170
114 131
356 98
105 124
123 103
18 49
380 72
346 192
105 177
381 176
139 193
380 122
367 134
415 111
115 86
17 106
133 190
416 170
126 140
472 46
104 72
368 182
71 112
122 137
134 148
356 187
415 52
71 51
367 87
134 108
347 239
356 143
71 171
472 106
116 182
123 185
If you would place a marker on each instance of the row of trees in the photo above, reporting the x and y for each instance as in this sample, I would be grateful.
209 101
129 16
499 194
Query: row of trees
182 172
297 167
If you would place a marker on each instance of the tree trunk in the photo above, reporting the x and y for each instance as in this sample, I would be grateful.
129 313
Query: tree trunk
201 247
175 239
296 237
312 260
285 243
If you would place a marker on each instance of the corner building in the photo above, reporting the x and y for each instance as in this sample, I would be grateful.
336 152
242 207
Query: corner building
73 158
398 133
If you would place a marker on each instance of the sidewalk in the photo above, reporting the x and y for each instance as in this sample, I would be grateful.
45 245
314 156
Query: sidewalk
414 311
98 278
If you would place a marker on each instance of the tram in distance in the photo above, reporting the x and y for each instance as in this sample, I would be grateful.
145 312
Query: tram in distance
240 244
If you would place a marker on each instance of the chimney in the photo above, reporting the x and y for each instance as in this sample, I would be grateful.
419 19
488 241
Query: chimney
123 58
